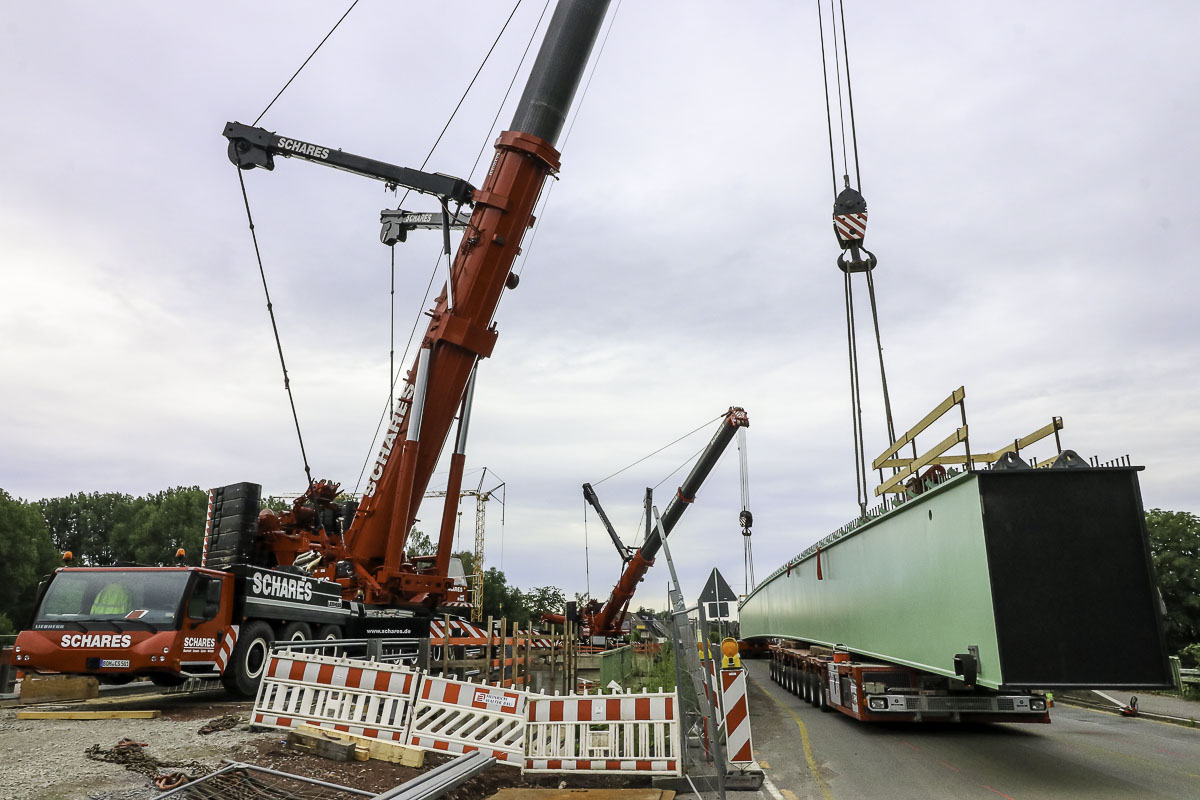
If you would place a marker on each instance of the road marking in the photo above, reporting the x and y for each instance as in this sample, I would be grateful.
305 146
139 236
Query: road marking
997 791
913 746
808 753
762 763
948 766
772 789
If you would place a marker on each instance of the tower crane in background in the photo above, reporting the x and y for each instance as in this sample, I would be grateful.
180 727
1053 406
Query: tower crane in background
481 498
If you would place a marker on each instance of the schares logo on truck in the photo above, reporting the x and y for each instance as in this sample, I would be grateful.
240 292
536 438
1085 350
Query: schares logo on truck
96 640
271 585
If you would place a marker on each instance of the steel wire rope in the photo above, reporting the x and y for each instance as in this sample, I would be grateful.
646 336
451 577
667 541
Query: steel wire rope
849 94
305 64
587 558
395 373
837 71
570 127
287 384
828 106
508 91
659 450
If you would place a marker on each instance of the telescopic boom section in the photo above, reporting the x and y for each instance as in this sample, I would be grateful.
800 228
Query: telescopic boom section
607 622
460 328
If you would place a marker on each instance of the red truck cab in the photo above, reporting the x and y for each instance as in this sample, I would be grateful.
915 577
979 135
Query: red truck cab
167 624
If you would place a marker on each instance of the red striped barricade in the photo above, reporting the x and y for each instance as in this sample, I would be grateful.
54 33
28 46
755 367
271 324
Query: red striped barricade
618 732
460 716
365 698
739 747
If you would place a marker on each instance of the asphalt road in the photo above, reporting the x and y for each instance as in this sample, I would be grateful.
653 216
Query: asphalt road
1081 754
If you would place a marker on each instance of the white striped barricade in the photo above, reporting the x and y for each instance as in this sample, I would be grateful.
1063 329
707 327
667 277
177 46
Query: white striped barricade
365 698
620 733
739 747
460 716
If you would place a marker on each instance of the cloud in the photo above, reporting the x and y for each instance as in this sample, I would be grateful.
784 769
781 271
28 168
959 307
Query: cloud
1030 199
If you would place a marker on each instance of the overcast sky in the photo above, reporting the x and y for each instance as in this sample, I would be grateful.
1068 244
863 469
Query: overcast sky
1030 169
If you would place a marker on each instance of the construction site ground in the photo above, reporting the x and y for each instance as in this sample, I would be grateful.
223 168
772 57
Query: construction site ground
46 759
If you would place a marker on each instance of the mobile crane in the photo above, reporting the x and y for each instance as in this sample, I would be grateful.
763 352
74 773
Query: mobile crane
322 567
604 620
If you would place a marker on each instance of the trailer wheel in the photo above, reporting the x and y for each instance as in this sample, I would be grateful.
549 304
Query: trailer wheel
823 696
810 688
248 659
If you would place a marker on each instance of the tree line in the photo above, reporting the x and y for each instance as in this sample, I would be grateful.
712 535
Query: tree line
111 528
108 528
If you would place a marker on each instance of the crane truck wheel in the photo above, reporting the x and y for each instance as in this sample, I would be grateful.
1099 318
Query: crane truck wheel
328 633
248 659
295 632
823 696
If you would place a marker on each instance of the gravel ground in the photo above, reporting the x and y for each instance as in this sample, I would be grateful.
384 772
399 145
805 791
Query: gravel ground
45 760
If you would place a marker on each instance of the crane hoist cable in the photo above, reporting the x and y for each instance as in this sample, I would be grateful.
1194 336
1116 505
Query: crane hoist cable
570 127
394 374
287 384
305 64
850 228
745 518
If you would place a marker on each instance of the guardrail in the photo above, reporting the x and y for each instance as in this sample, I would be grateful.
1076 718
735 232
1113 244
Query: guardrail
388 651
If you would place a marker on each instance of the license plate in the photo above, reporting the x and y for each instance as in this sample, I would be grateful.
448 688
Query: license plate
114 663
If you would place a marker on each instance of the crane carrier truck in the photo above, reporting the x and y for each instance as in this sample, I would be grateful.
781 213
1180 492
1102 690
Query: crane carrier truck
324 569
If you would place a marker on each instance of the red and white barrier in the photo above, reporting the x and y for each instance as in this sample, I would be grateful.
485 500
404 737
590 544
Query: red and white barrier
459 717
365 698
739 747
604 733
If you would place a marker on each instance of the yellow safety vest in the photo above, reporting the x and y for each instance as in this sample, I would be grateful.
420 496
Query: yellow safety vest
113 599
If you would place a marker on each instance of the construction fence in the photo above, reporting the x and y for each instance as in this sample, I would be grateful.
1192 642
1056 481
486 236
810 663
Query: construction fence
613 731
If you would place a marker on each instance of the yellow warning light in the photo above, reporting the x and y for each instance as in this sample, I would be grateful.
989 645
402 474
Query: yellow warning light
181 554
729 653
67 556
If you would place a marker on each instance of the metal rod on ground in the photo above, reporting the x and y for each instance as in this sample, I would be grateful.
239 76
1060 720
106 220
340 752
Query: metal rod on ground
228 768
440 780
305 779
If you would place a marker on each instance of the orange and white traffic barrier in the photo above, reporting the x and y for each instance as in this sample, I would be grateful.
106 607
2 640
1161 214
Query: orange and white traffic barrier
365 698
460 717
619 733
739 747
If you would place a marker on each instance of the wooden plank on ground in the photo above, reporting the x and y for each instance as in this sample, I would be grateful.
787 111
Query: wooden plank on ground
315 741
583 794
114 714
378 749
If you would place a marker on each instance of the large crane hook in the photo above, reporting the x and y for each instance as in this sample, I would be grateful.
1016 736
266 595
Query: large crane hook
850 225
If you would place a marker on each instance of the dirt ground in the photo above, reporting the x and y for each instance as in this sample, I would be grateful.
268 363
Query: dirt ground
48 760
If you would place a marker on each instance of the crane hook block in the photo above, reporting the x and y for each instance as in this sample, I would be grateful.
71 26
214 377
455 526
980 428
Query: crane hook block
850 227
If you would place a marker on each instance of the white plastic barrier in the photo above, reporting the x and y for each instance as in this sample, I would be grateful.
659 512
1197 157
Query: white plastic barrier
365 698
604 733
459 716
